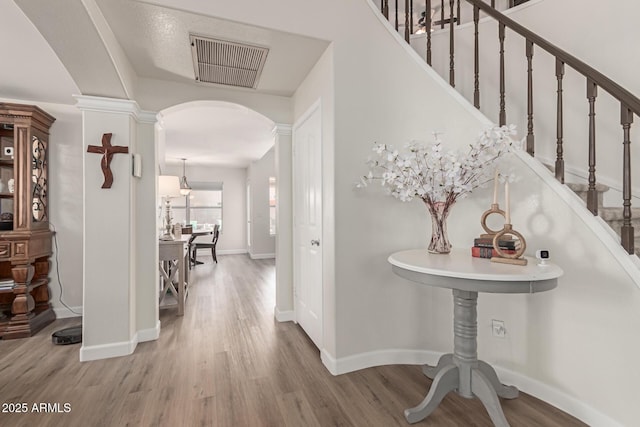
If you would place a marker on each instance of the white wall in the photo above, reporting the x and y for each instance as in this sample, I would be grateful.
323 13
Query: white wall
263 245
65 205
233 236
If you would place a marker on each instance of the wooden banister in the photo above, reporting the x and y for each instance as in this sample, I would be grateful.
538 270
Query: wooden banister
604 82
595 81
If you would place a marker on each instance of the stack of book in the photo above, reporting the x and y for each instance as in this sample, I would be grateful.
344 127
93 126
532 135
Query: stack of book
6 284
483 247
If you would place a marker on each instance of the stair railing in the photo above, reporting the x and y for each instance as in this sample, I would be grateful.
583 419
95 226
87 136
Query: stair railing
629 103
409 25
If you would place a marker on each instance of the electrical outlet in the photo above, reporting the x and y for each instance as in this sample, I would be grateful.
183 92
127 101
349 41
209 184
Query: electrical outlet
497 328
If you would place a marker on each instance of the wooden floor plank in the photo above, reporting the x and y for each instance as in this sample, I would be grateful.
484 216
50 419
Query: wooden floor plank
227 362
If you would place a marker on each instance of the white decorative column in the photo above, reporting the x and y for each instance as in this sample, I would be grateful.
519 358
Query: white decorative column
284 223
146 231
117 267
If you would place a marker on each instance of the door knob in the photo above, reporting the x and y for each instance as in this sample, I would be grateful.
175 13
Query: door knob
315 243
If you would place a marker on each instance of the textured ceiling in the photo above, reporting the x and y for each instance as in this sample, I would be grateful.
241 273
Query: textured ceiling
81 51
156 42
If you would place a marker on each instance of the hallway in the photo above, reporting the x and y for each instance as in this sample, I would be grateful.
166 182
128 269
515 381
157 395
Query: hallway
227 362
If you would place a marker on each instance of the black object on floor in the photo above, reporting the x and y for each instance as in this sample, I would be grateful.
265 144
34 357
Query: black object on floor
72 335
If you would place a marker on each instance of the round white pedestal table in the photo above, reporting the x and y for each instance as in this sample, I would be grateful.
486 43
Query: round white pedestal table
466 276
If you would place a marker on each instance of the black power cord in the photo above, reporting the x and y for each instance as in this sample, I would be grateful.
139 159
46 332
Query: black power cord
73 334
55 243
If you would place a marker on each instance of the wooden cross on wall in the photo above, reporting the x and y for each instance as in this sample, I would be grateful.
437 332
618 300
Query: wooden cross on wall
107 150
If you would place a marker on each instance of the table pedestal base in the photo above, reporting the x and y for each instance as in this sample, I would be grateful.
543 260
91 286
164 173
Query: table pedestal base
462 371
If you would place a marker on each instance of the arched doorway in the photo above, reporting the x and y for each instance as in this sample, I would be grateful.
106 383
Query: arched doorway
232 145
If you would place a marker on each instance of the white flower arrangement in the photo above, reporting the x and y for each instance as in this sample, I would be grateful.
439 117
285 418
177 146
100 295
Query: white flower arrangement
438 178
426 172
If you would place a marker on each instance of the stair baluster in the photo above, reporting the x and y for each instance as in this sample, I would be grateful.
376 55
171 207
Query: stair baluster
559 169
503 114
476 57
396 14
452 66
384 7
592 195
458 13
427 17
411 16
530 135
406 21
627 238
441 14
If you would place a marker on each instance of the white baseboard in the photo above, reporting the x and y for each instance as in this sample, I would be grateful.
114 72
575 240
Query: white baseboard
285 316
557 398
261 256
151 334
64 312
545 392
356 362
106 351
118 349
231 251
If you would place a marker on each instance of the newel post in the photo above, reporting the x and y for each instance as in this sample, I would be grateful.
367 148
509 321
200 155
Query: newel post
626 119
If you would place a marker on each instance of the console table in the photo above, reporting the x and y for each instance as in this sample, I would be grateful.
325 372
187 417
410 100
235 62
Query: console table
461 371
174 259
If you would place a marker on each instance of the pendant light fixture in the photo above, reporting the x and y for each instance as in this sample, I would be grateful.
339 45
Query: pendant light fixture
185 189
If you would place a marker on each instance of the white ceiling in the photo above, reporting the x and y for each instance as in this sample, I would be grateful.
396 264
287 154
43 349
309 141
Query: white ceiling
155 43
216 133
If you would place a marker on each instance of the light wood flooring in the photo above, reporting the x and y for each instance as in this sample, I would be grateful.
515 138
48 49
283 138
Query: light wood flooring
227 362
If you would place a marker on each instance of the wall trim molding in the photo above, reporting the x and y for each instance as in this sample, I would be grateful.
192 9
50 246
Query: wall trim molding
262 256
285 315
533 387
282 129
65 313
231 251
113 105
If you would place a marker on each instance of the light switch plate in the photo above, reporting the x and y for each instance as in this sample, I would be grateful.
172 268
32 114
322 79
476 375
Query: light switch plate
137 165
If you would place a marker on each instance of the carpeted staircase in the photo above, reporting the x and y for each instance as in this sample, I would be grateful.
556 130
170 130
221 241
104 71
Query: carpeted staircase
611 215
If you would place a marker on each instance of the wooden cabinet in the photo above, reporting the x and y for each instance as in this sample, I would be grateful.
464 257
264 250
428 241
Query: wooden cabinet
25 238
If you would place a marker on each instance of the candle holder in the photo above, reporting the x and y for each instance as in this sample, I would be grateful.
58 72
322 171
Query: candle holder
490 233
505 258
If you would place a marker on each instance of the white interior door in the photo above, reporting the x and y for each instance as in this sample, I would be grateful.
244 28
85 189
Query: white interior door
307 221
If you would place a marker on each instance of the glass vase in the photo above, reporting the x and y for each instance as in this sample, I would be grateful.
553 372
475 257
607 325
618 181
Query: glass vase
439 239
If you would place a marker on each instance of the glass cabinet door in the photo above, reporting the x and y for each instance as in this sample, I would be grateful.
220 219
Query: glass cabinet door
7 182
39 206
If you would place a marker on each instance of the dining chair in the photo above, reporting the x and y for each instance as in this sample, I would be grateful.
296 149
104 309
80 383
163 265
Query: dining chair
212 245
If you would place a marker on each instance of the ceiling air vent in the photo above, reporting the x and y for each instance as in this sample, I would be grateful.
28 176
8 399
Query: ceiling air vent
227 63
